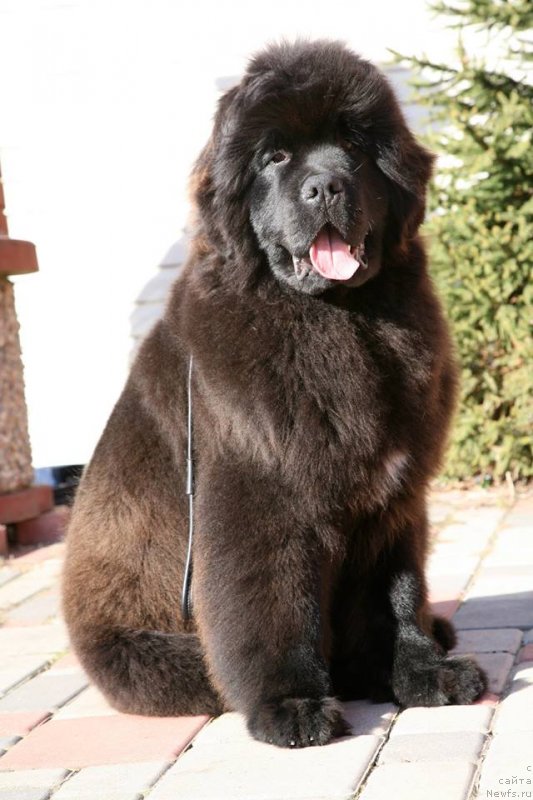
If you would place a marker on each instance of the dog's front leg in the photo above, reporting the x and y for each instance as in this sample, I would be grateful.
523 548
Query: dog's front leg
256 592
422 674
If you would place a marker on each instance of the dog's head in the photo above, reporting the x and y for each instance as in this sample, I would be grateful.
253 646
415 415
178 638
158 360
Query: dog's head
312 168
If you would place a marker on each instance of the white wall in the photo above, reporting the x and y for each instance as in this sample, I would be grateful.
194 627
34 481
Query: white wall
103 107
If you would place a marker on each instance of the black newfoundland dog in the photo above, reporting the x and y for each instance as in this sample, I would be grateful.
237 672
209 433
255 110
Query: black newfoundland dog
322 386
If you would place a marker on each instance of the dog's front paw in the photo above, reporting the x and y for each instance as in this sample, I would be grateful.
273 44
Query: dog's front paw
298 721
453 680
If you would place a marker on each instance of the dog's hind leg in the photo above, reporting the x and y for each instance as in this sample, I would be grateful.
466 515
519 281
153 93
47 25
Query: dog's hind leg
148 672
444 633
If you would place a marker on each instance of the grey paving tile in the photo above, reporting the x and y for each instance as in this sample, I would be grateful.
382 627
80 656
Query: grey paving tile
37 610
34 640
88 703
500 611
46 691
7 574
441 780
515 712
364 718
456 746
251 770
29 583
369 718
24 794
111 782
7 741
488 640
508 757
444 719
14 670
32 784
497 667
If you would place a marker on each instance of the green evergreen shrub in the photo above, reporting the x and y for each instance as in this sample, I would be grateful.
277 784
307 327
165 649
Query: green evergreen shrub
480 230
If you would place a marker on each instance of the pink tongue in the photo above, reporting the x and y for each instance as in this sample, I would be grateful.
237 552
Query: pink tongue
331 257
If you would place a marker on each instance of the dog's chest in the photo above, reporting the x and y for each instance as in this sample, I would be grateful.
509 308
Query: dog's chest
348 403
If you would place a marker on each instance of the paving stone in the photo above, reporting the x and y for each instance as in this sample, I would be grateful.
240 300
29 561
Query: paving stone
498 667
501 611
515 712
456 746
38 640
364 718
445 719
446 560
67 663
445 608
505 572
42 576
89 703
438 513
24 794
505 554
369 718
522 512
524 671
112 782
45 692
7 741
485 519
503 580
15 670
498 640
89 741
29 556
7 574
526 653
510 534
34 784
447 587
35 611
528 637
508 757
488 699
439 781
470 538
251 770
19 723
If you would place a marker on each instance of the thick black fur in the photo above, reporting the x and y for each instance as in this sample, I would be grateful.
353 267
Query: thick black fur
321 410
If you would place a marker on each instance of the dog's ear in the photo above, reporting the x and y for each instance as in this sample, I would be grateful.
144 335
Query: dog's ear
408 166
216 183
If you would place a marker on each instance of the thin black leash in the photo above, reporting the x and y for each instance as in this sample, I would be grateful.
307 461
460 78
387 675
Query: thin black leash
186 598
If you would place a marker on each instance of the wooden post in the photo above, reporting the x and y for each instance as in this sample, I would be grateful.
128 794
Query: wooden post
19 499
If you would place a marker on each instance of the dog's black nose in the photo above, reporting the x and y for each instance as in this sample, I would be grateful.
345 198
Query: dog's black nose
324 187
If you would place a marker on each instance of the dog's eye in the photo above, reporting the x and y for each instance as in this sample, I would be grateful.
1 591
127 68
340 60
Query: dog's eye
346 144
279 157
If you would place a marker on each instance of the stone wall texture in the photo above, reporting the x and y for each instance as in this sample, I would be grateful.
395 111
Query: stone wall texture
15 453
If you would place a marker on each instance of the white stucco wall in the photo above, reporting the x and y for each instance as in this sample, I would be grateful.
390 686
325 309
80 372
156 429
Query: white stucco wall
104 104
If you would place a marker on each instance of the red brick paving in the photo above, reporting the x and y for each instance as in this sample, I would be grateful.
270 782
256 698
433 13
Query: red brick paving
19 723
83 742
494 581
